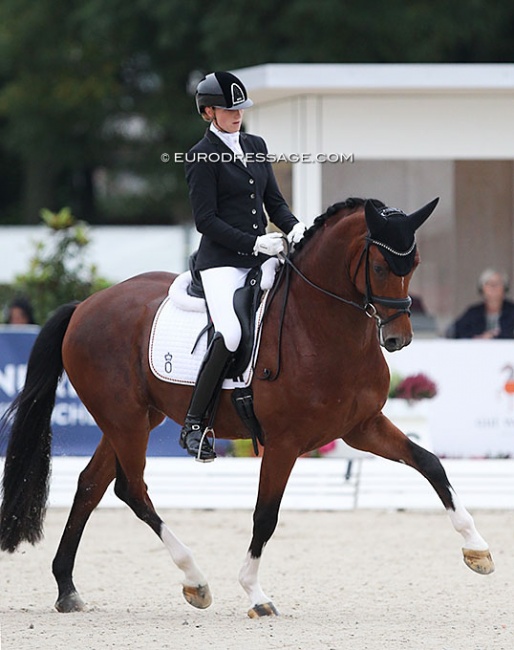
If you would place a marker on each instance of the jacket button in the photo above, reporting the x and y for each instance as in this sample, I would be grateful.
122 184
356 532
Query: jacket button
254 211
251 181
255 226
252 195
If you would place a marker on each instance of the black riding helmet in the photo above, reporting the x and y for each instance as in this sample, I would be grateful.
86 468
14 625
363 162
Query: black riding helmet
221 90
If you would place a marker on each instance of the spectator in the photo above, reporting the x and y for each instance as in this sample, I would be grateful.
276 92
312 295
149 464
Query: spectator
20 312
493 318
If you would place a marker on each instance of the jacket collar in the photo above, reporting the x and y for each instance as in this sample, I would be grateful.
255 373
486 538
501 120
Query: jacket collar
218 142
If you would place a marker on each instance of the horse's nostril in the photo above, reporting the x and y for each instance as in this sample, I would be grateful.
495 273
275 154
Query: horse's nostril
392 344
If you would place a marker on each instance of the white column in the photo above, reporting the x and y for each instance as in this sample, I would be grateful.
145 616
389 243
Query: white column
307 176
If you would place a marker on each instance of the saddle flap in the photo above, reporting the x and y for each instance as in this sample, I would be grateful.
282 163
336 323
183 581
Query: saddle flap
246 303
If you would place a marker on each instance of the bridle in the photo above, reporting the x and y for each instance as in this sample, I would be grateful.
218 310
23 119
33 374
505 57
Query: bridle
401 305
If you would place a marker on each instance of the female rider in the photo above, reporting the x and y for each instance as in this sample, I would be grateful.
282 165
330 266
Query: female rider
228 194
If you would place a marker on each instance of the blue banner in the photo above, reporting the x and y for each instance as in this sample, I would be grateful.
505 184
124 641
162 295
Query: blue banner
75 433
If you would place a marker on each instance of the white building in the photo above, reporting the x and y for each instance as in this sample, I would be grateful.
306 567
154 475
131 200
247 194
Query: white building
415 132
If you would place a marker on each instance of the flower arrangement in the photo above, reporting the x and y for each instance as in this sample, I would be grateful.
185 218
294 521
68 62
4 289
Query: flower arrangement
412 388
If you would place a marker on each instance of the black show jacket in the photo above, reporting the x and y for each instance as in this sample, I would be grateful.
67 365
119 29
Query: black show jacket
228 200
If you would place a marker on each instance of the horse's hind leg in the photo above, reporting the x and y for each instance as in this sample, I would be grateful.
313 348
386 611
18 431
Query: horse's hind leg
383 438
92 483
131 488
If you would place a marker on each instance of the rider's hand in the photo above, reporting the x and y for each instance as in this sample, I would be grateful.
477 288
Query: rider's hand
296 233
270 244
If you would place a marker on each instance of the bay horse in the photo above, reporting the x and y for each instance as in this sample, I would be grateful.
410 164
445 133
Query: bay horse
343 302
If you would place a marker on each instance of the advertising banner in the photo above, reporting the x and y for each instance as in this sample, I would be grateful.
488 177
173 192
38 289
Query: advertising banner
75 433
472 415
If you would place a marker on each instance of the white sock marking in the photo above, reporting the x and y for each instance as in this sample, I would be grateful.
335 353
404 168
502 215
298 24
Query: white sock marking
249 580
183 558
463 523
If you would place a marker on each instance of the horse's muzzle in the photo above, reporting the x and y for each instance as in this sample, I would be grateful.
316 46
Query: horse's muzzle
395 341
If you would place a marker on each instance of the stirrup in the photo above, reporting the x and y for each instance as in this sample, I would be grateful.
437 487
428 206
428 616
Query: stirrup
200 446
204 446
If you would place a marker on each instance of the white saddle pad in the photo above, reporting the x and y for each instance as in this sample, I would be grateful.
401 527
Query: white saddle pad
173 355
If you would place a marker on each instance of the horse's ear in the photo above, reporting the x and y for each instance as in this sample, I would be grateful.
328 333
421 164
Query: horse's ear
420 216
374 220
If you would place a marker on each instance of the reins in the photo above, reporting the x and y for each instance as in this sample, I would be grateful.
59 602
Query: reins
402 305
283 274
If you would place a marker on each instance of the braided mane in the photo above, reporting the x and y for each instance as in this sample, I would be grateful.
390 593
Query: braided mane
350 205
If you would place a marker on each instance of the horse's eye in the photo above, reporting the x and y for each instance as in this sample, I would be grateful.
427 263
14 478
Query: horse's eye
379 270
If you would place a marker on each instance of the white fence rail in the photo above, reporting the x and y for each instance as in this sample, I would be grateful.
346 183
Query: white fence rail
316 484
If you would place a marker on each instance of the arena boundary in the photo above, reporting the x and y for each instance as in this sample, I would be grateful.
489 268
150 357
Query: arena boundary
315 484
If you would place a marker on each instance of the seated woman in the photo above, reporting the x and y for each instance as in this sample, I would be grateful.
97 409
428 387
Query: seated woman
493 317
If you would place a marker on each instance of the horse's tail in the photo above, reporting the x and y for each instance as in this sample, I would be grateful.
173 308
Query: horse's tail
27 462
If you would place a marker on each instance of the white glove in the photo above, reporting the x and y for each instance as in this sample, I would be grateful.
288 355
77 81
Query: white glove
296 233
270 244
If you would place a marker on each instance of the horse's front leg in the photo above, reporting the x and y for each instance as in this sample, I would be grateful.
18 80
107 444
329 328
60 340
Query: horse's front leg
383 438
475 550
276 468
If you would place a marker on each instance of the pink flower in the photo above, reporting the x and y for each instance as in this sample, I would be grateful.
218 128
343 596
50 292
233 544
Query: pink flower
415 387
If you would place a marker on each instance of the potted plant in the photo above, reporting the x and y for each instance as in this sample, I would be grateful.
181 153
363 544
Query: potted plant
407 406
412 388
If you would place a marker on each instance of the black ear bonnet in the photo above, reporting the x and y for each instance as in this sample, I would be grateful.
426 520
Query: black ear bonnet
394 232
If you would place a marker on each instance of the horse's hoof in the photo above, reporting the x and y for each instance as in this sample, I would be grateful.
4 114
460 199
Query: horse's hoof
199 596
70 603
479 561
266 609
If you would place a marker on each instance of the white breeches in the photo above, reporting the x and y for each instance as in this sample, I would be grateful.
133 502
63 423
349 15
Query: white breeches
219 285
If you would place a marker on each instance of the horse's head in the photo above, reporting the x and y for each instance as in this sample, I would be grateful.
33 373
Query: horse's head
379 250
386 266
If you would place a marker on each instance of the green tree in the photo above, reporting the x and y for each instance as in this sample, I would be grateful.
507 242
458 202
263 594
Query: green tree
77 77
58 272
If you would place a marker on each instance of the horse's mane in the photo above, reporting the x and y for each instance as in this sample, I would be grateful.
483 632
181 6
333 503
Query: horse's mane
351 205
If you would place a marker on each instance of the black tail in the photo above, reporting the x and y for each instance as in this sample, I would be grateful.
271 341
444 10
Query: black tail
27 461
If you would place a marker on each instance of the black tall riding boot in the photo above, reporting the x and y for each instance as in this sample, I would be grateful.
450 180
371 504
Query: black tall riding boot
208 383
